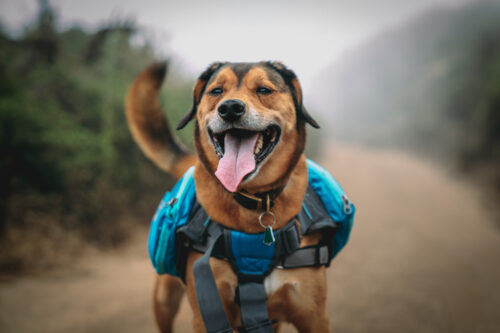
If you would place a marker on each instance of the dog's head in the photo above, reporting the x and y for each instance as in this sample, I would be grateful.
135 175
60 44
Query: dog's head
250 123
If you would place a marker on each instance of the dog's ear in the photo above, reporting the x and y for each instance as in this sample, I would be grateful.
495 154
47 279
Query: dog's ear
198 91
292 82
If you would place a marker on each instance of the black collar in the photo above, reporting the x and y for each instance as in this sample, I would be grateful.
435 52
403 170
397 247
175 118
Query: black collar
258 201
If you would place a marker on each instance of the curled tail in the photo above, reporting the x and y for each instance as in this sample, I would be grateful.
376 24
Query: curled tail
149 126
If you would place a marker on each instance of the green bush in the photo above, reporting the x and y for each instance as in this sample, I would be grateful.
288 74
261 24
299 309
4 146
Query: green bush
68 158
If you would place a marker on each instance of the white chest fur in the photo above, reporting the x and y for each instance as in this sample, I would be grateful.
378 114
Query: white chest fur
277 279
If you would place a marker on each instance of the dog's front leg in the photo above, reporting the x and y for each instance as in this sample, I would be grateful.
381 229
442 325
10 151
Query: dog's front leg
304 294
167 297
226 282
313 324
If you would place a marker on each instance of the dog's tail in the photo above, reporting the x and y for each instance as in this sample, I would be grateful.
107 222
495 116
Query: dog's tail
149 126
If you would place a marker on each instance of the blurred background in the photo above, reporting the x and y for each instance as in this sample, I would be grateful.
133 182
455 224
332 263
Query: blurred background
408 97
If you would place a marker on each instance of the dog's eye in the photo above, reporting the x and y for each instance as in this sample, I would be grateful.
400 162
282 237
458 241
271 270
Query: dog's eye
264 91
216 91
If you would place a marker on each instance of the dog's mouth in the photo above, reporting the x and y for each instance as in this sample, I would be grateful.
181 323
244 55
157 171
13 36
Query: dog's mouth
240 151
264 145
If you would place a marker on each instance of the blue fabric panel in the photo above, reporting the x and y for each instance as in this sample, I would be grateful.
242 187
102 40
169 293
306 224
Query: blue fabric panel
330 193
252 256
169 217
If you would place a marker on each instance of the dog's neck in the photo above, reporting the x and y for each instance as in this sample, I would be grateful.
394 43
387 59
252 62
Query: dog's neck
221 206
262 201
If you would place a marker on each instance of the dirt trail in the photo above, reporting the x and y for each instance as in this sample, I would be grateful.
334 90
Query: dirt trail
423 257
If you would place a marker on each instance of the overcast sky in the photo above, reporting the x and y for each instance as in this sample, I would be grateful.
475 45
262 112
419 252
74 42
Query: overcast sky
306 35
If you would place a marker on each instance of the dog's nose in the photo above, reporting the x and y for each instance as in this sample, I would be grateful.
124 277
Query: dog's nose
231 110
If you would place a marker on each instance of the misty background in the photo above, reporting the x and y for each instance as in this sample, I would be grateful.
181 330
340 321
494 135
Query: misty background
394 85
429 86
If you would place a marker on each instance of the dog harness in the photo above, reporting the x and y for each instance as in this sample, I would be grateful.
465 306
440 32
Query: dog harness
181 225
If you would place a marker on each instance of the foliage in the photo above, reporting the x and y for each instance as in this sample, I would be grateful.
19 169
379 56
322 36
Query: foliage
67 154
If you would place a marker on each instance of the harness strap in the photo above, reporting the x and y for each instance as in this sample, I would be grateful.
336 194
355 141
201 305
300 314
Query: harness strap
253 300
210 237
209 301
316 255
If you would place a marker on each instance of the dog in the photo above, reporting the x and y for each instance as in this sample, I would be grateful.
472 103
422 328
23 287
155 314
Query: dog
249 136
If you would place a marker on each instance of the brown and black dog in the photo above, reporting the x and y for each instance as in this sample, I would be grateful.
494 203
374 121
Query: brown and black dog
249 136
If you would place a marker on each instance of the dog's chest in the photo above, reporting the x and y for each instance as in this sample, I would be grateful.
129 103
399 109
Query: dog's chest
274 283
278 279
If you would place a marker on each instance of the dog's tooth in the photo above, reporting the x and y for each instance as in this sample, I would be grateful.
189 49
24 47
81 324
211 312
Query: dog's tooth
274 137
258 146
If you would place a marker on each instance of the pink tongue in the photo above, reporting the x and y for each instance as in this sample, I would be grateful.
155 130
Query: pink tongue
237 162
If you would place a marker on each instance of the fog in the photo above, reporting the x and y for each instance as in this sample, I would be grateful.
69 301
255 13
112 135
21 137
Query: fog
306 35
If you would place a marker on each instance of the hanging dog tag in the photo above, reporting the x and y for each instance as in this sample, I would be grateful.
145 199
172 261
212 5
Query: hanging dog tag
269 238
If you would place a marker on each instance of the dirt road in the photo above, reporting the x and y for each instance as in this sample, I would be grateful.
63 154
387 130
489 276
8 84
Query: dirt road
424 256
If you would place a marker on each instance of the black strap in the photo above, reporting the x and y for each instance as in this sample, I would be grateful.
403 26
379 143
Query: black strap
287 239
313 216
253 304
316 255
198 222
209 301
258 201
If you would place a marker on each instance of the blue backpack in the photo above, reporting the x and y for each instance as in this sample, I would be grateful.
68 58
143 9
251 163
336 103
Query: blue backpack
325 206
